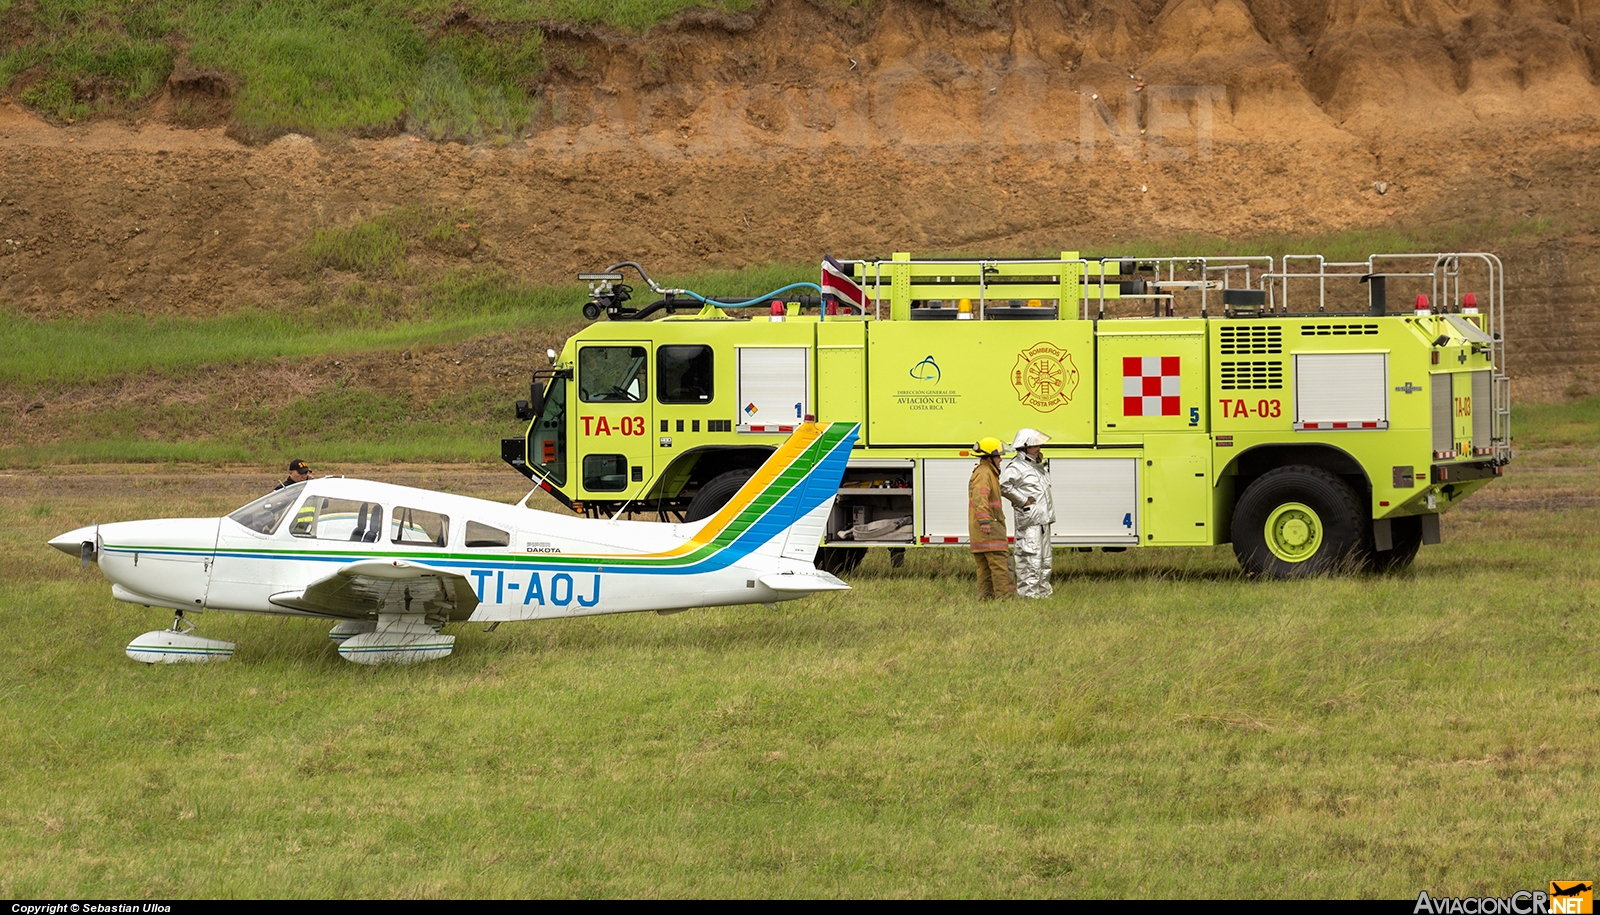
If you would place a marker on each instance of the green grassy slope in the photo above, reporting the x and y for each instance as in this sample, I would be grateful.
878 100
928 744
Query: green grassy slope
313 66
310 376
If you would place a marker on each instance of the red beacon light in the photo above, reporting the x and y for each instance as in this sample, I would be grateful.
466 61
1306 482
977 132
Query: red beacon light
1422 307
777 311
1469 304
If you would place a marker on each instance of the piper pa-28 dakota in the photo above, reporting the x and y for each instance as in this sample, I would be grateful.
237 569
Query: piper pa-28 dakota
392 564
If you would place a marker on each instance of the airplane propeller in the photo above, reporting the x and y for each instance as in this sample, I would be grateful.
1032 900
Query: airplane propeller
89 551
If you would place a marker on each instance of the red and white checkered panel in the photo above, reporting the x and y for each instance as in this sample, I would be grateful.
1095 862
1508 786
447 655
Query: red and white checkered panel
1150 386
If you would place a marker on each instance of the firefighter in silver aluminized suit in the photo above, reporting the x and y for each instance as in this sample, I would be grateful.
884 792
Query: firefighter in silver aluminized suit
1026 485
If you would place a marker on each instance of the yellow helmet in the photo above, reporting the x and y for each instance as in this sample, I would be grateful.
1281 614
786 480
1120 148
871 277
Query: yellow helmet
989 445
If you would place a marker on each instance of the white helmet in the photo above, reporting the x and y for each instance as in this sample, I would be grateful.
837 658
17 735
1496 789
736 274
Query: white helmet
1027 438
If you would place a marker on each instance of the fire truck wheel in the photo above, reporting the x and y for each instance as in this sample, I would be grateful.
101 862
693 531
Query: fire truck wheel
716 493
1407 538
839 560
1298 521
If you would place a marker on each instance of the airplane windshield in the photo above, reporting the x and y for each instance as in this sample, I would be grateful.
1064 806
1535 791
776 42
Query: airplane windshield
265 514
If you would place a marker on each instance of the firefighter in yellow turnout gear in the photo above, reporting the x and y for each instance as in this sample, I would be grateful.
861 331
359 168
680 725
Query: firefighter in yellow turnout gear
986 523
1025 483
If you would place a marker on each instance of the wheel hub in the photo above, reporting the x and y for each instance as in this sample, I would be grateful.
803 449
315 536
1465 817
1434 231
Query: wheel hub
1293 532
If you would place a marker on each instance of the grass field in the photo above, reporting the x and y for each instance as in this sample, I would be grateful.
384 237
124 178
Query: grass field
1162 727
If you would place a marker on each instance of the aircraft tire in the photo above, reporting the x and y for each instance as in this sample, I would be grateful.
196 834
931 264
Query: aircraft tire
1300 521
716 493
1406 534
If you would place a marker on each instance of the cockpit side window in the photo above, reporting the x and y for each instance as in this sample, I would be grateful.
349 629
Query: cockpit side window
484 535
350 520
265 514
413 525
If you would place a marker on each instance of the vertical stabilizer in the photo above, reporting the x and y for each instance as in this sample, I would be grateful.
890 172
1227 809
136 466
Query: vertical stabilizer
782 510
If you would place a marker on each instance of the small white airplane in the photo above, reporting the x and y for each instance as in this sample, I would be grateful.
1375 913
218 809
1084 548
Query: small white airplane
394 564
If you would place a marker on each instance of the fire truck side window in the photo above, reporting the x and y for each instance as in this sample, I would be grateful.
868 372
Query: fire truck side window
547 440
683 374
605 472
612 374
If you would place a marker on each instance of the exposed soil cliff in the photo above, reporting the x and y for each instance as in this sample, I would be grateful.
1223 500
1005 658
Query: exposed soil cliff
904 125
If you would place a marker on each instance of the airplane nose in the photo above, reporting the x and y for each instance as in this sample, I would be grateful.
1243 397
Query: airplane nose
72 542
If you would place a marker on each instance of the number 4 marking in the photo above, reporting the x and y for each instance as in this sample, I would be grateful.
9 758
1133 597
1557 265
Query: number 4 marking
1127 521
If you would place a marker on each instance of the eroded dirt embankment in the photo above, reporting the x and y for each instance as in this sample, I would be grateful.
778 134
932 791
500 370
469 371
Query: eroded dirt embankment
902 126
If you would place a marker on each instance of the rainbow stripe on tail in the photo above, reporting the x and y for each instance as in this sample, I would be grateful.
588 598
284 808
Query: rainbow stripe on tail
783 509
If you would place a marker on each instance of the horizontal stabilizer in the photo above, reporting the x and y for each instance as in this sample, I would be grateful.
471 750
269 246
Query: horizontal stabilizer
803 582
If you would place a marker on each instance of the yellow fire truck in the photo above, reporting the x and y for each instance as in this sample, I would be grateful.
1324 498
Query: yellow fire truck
1285 405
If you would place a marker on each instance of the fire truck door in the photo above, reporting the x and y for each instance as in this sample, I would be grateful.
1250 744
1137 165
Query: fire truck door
1177 500
611 420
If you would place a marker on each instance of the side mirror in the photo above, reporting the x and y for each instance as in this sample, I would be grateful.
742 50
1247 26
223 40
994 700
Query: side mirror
524 411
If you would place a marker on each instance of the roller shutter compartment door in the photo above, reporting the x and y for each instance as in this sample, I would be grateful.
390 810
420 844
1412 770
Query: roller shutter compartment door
1341 391
774 388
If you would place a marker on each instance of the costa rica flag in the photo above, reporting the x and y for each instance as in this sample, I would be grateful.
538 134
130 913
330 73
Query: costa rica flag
1150 386
838 287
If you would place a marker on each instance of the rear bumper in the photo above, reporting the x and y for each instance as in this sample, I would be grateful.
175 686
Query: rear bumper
1461 473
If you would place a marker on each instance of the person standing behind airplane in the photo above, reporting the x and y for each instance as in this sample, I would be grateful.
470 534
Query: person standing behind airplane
299 472
1025 483
986 524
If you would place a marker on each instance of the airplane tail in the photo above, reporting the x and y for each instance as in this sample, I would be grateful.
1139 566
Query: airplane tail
782 510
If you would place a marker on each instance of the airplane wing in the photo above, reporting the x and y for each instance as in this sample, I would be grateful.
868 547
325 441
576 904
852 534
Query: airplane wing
362 589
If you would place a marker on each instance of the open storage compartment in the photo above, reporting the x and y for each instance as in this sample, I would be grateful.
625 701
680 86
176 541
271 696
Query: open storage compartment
875 506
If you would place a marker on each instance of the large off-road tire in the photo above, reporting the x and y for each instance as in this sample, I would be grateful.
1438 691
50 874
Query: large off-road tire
839 560
716 493
1298 521
1406 535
